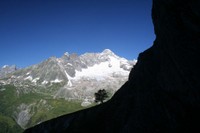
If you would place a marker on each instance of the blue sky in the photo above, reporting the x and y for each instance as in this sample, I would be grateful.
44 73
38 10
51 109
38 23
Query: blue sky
34 30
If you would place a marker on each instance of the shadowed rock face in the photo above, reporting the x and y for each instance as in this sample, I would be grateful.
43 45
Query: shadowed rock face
163 91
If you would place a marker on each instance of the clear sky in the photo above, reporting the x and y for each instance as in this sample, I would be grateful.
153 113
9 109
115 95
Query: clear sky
34 30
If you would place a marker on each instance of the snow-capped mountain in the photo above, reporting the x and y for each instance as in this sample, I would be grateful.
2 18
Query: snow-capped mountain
73 76
59 85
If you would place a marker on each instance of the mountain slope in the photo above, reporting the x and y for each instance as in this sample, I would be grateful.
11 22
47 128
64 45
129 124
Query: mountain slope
60 85
162 94
76 77
5 70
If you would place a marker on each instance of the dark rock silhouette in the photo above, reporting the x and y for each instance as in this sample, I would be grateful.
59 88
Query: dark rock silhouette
163 91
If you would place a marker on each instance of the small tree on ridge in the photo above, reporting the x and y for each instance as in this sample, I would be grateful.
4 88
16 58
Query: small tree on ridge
100 96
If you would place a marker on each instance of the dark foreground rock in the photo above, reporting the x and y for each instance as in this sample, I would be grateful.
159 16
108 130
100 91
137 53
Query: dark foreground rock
163 91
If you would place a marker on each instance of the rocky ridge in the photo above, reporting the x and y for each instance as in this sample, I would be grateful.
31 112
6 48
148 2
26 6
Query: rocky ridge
161 98
73 76
6 69
58 86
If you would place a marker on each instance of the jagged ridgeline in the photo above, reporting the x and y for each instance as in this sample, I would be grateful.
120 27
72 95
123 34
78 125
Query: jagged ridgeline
57 86
162 94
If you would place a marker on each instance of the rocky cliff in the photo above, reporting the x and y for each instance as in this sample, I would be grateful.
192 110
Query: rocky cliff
162 94
5 70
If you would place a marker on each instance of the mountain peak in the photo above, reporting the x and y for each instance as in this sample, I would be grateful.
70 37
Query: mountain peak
107 51
66 54
5 66
6 69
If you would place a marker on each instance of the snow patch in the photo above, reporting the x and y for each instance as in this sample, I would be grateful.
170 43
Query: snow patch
56 81
69 83
13 76
69 79
69 64
27 73
66 54
45 82
28 78
2 82
35 80
58 60
102 70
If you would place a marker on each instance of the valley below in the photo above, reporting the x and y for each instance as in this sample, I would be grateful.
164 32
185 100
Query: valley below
57 86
